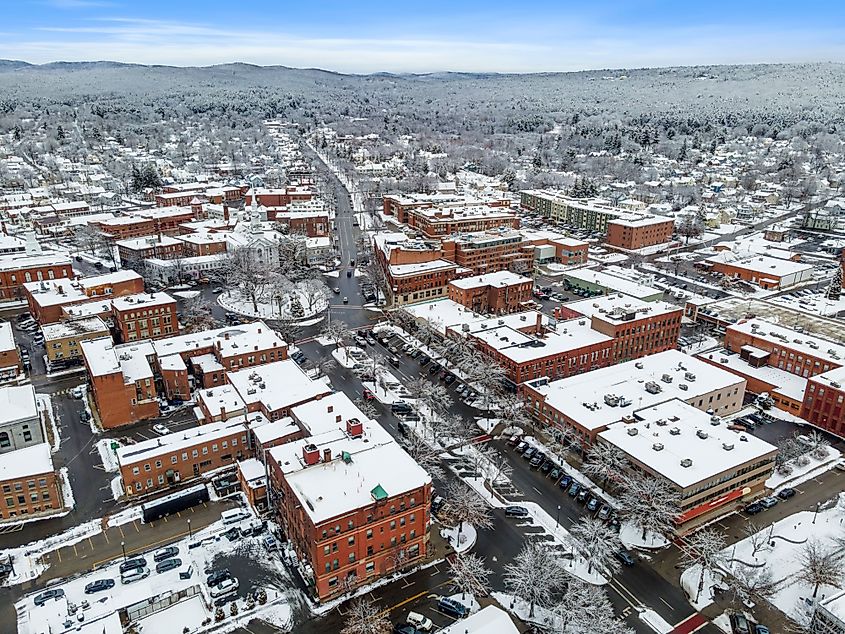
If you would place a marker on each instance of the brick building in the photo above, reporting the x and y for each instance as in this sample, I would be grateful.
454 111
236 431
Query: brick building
582 213
402 205
16 270
495 293
281 197
159 463
311 221
438 222
824 401
489 251
148 222
29 484
145 316
10 358
199 244
380 525
63 339
413 270
252 476
134 251
634 232
767 272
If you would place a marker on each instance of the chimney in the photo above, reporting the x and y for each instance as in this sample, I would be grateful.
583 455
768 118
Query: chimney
310 454
330 408
222 413
354 428
225 212
226 336
539 325
327 455
218 344
338 418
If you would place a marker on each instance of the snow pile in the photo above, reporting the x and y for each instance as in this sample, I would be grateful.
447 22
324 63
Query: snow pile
68 501
343 358
632 537
45 406
460 542
107 454
187 294
117 487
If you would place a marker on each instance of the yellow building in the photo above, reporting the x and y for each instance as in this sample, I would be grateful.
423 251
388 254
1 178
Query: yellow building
62 339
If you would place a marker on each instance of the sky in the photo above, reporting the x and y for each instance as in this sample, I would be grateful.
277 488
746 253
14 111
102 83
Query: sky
365 36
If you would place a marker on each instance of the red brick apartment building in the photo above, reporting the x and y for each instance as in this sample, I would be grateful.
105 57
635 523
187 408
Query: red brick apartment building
29 483
197 244
178 199
48 301
400 206
379 525
281 197
16 270
145 316
488 252
824 402
495 293
149 222
414 270
631 233
159 463
136 250
313 224
440 222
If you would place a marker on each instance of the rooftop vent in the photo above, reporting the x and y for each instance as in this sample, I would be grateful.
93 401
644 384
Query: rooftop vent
683 386
653 388
686 462
689 376
727 446
639 365
701 434
666 378
675 431
657 446
633 431
661 422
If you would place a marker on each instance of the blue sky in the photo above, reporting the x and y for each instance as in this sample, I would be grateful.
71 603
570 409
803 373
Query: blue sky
363 36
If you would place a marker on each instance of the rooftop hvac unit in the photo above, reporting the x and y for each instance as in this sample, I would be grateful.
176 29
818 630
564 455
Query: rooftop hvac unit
653 388
666 378
611 399
501 322
657 446
523 318
624 402
727 446
686 462
701 434
683 386
639 365
675 431
835 384
465 327
689 376
582 322
661 422
633 431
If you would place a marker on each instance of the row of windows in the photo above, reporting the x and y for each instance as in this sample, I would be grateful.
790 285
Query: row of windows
21 499
194 454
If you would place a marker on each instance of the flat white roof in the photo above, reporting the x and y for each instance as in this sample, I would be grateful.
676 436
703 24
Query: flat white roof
130 359
16 261
253 472
179 440
636 220
276 385
399 270
220 398
374 460
141 301
606 280
7 337
17 404
446 313
762 264
231 339
520 347
327 413
499 278
489 620
674 431
136 244
581 397
606 306
74 328
786 383
785 337
29 461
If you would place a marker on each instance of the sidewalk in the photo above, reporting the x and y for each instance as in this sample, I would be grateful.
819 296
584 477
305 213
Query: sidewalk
137 537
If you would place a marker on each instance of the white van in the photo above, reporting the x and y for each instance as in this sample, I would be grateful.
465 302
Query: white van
419 621
233 516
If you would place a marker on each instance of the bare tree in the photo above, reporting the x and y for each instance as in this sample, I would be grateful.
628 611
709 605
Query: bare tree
599 543
425 455
704 549
336 331
650 503
604 461
466 506
749 581
756 536
534 576
572 611
196 314
315 293
247 274
470 575
364 617
820 566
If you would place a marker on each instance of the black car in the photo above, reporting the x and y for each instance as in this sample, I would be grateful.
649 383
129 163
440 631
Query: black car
42 598
404 628
232 534
168 564
99 585
537 460
165 553
625 557
753 508
132 564
450 378
546 466
216 577
516 511
785 494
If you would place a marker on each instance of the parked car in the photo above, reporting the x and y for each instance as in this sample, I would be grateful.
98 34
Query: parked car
99 585
529 453
554 474
753 508
769 502
53 593
521 446
573 490
165 553
739 624
132 564
604 512
404 628
216 577
565 481
625 557
168 564
136 574
546 467
420 622
437 503
228 585
161 430
77 392
761 629
514 440
452 608
593 505
516 511
582 495
450 378
537 460
84 416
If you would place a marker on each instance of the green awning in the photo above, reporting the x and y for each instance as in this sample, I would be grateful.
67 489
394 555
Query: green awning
378 493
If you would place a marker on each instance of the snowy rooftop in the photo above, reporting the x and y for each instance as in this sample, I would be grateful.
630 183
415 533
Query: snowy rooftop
179 440
785 337
223 398
29 461
607 306
141 301
74 328
621 285
499 279
445 313
253 472
833 378
148 242
638 220
7 337
489 620
762 264
520 347
399 270
276 385
672 432
123 275
17 403
17 261
786 383
268 431
326 413
357 467
103 357
581 397
202 238
231 340
438 214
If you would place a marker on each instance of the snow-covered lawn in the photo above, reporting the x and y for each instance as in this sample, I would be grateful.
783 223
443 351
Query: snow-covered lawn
343 357
235 301
632 537
463 542
779 547
801 474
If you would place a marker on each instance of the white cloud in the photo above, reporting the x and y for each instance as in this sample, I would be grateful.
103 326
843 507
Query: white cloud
190 44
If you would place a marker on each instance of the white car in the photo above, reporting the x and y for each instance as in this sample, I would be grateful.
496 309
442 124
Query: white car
136 574
77 392
419 621
160 429
227 586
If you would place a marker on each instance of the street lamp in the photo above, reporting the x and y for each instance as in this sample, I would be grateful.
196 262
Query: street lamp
190 534
816 512
557 517
123 548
